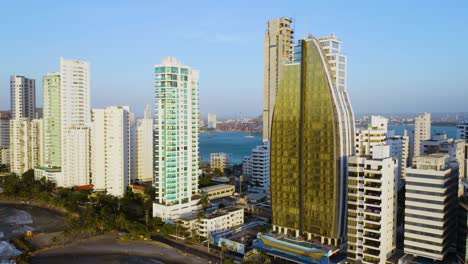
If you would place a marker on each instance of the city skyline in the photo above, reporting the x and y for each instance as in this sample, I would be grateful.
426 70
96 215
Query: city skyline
127 42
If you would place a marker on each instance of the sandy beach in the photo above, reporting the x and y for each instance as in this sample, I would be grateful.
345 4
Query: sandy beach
108 249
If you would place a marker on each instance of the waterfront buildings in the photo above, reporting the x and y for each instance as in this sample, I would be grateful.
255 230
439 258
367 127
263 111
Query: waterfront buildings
110 149
75 121
312 137
176 169
52 113
211 121
462 230
256 168
23 97
26 144
5 138
145 147
277 51
220 161
430 206
372 206
422 131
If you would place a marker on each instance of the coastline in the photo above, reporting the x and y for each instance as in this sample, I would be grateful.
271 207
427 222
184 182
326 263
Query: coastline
7 201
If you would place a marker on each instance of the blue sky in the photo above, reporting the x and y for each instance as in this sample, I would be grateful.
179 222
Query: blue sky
403 56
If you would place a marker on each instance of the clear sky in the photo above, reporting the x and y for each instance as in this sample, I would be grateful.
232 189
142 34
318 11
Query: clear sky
403 56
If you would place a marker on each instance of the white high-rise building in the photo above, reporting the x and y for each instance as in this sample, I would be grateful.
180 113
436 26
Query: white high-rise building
5 130
211 121
374 134
422 131
23 97
372 206
399 149
176 169
145 147
26 144
75 121
110 149
257 168
430 207
51 112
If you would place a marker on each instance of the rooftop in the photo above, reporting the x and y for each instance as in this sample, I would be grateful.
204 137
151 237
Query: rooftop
216 187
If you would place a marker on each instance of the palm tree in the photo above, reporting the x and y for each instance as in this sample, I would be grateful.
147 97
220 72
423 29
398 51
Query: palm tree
204 201
224 248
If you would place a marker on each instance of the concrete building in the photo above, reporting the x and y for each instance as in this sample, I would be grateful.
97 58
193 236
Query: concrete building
52 113
5 138
145 147
175 140
51 174
256 168
23 97
110 149
422 131
220 161
400 149
75 121
374 134
372 206
211 223
211 123
26 144
279 37
218 191
430 207
311 139
462 130
462 229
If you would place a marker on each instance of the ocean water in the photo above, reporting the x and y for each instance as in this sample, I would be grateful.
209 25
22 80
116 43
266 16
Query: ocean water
234 143
239 146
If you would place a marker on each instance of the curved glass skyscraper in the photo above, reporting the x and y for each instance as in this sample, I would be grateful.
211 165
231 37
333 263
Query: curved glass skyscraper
312 137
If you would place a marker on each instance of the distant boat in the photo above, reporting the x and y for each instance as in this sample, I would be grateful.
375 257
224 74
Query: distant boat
248 135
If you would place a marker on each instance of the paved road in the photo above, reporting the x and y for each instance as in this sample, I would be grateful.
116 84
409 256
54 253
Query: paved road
186 248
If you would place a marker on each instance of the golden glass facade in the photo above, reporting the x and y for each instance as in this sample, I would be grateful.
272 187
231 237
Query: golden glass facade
308 148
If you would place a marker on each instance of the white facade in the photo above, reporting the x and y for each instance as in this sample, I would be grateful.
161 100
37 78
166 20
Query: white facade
220 220
145 147
430 206
257 168
422 131
110 148
374 134
220 161
212 121
175 139
75 121
399 149
26 144
5 156
372 206
50 174
4 130
23 97
218 191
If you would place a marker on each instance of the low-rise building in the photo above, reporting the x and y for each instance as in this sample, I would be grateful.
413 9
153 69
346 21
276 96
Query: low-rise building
218 191
220 161
257 169
51 174
219 220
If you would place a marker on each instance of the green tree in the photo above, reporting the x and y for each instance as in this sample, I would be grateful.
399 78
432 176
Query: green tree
204 201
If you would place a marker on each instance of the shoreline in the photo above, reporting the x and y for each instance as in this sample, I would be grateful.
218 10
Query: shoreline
7 201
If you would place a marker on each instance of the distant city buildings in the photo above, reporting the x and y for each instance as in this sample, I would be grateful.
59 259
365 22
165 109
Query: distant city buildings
145 147
211 124
422 131
374 134
372 206
220 161
312 136
430 207
175 140
277 51
462 130
23 97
